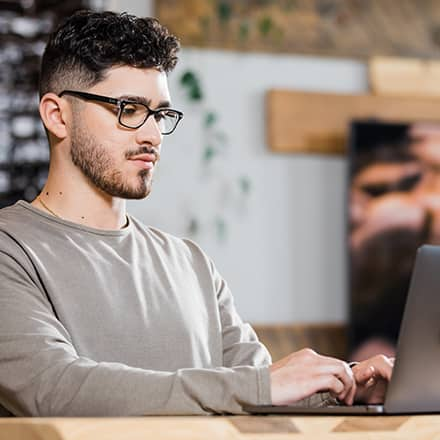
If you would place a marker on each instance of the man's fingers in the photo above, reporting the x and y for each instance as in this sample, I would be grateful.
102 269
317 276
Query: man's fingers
349 398
380 367
372 377
309 373
341 370
383 367
332 384
364 374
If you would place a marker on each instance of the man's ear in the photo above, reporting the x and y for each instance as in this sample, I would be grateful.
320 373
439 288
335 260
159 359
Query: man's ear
54 113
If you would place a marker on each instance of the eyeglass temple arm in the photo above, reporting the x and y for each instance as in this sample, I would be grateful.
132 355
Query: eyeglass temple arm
91 96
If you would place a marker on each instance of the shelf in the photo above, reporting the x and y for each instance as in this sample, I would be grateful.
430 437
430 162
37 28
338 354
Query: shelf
6 166
308 122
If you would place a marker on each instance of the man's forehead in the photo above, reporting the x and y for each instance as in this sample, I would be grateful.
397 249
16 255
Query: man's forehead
150 83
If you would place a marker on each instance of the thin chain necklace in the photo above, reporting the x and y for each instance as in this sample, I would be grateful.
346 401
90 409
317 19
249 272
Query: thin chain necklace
56 215
47 207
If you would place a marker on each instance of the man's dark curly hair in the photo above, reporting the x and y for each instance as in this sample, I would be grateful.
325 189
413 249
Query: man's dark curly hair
87 44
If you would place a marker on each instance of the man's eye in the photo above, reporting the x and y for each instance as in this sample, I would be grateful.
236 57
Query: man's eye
130 110
376 190
160 116
408 182
404 184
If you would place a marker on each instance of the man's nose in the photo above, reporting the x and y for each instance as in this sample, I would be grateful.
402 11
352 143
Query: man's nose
149 132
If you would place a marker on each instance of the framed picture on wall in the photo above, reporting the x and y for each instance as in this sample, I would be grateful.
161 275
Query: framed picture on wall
393 208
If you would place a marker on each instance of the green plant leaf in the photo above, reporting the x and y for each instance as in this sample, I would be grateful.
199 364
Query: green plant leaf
221 228
224 11
193 226
188 78
245 184
190 82
265 25
209 153
210 119
243 31
195 93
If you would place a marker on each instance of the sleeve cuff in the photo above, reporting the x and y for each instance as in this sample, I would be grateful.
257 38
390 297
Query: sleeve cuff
264 392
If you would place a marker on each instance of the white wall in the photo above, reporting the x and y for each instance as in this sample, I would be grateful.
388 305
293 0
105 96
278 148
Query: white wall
284 258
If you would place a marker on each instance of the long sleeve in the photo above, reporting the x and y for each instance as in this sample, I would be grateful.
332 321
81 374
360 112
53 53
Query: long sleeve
240 342
242 347
41 374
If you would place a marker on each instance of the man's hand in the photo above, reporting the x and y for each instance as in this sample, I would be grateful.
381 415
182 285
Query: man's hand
372 377
305 372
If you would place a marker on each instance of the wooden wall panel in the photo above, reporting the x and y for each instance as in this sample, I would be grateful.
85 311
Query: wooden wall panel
404 77
352 28
281 340
318 122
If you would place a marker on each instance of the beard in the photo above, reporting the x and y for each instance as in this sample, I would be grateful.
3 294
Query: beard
94 160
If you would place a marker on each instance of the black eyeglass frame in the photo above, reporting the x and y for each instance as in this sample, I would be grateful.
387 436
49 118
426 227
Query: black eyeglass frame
121 103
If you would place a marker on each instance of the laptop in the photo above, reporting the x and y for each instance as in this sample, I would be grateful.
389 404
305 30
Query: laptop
415 383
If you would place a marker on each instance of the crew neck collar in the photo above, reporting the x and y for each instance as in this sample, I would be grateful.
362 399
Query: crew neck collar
67 223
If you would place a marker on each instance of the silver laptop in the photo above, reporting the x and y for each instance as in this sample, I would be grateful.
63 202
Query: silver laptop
415 383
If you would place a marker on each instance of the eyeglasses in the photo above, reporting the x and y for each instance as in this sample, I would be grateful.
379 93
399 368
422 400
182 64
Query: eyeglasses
132 114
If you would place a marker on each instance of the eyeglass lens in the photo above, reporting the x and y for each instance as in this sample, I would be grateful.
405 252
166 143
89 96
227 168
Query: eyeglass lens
133 115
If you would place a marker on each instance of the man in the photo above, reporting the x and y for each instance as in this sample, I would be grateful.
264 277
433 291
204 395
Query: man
101 315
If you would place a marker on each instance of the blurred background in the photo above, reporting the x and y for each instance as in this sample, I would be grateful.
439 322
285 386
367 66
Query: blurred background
306 164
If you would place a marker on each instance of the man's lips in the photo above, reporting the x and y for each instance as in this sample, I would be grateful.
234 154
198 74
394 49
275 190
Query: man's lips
145 161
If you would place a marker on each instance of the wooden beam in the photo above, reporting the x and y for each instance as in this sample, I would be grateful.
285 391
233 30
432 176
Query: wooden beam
404 77
306 122
282 339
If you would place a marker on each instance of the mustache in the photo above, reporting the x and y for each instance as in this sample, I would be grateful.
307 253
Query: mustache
143 150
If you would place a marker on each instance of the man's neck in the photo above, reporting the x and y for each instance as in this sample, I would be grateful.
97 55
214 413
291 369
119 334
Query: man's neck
78 201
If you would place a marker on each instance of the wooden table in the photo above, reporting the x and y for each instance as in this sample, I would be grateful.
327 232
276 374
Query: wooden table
218 427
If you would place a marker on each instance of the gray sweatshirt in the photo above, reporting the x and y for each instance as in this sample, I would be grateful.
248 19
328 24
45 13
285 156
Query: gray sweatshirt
118 323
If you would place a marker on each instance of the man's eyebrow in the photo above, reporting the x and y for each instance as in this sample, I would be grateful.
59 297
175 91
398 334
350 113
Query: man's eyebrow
143 100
